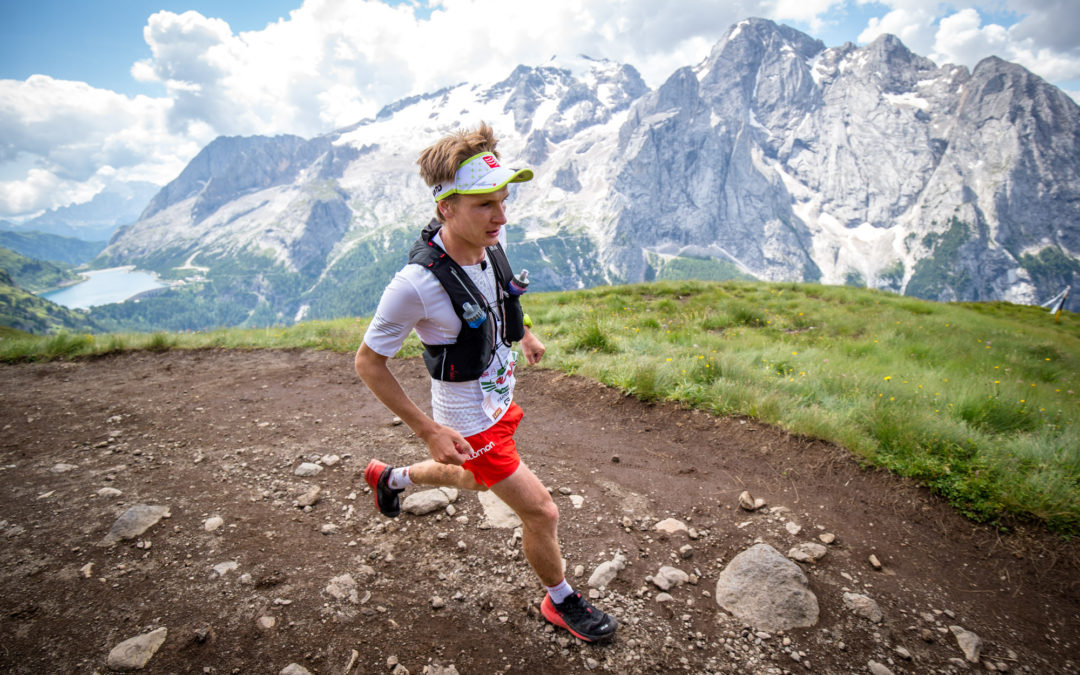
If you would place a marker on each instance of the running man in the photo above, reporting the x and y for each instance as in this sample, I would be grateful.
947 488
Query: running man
459 294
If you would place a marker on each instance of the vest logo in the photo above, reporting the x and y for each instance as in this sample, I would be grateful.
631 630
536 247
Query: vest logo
490 161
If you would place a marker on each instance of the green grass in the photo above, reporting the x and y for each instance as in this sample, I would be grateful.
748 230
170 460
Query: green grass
979 402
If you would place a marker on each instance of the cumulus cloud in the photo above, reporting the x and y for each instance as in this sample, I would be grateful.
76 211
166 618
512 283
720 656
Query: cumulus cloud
73 140
913 25
331 63
1044 39
963 38
1049 23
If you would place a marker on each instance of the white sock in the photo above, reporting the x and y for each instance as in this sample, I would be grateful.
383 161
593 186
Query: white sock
399 478
560 592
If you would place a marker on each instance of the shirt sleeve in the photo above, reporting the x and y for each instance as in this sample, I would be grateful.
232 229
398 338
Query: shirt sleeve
400 308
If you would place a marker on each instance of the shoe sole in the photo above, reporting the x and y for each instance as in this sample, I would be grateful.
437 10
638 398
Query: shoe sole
547 609
372 473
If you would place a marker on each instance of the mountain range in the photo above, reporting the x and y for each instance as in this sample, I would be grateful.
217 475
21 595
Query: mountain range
775 158
92 221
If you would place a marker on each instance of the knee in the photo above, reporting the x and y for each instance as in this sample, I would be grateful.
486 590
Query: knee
545 513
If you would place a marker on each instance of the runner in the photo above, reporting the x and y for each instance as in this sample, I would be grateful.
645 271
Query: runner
459 294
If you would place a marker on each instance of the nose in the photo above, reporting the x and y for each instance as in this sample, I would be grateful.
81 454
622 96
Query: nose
499 216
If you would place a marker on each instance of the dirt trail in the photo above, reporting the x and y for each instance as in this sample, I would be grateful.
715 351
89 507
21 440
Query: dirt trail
220 433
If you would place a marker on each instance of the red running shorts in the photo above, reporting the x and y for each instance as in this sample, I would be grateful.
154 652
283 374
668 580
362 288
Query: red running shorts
494 455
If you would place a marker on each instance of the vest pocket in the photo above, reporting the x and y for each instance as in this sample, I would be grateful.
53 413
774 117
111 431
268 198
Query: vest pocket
513 319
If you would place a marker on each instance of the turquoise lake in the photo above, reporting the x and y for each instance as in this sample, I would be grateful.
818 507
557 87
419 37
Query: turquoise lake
104 287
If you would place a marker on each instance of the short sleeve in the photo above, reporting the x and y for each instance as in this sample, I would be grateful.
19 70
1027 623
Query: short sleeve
400 308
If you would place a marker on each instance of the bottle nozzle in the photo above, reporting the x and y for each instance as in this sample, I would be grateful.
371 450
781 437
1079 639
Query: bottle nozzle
473 315
520 283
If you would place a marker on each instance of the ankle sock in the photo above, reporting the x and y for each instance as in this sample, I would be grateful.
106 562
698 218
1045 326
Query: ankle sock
560 592
399 478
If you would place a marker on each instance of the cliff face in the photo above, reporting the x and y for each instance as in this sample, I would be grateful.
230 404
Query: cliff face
775 157
851 164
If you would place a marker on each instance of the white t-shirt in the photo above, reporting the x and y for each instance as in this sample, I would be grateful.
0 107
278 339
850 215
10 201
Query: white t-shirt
414 299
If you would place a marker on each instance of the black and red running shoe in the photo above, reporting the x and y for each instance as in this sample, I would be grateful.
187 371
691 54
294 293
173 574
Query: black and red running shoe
386 498
578 616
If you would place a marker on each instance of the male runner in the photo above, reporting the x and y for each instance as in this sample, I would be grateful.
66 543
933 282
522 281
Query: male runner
456 294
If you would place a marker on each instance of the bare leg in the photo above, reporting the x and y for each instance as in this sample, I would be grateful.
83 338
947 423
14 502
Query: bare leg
430 472
526 495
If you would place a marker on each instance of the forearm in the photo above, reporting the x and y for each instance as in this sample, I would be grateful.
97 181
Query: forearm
446 445
373 370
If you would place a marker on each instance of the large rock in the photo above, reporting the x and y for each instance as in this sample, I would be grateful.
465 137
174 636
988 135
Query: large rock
606 572
766 590
425 501
134 653
343 587
133 522
496 512
970 643
807 552
671 526
307 469
670 577
863 606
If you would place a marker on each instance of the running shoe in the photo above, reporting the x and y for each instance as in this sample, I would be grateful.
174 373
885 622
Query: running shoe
578 616
386 499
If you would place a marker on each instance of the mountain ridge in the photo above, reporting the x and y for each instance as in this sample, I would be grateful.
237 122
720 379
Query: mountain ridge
775 157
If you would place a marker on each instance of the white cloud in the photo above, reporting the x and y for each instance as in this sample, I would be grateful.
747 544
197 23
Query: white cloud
334 62
962 38
73 140
1049 23
328 65
913 25
812 12
30 194
1044 40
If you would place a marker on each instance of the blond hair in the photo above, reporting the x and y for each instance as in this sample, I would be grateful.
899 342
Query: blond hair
439 162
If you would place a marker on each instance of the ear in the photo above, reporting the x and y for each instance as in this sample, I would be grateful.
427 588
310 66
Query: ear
446 208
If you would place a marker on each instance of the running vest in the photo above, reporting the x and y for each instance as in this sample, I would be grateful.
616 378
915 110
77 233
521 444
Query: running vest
473 350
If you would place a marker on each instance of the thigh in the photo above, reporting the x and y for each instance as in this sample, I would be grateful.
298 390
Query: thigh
524 493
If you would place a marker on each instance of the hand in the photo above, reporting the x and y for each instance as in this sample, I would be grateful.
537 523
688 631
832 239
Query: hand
447 446
532 348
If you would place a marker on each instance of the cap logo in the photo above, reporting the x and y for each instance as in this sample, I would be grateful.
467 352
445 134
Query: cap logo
479 174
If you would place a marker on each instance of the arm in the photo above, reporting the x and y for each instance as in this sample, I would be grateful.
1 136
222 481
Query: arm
446 445
532 348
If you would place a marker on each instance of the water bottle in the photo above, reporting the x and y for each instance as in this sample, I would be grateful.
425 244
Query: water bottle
519 284
473 315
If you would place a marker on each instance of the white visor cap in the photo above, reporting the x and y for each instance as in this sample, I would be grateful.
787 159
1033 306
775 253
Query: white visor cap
480 174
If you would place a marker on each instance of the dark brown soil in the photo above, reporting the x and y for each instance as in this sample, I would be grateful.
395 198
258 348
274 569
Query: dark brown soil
219 433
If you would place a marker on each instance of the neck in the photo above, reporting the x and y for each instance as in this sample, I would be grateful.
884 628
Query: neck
462 252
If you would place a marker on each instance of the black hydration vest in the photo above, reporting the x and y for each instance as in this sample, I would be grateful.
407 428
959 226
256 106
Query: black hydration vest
472 352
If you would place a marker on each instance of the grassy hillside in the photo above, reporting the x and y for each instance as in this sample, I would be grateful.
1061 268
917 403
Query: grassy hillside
980 402
34 275
43 246
24 311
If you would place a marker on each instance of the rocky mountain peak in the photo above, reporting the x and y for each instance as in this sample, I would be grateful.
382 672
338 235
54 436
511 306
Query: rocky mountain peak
775 157
232 166
891 65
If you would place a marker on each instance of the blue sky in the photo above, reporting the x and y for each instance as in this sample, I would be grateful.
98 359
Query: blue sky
82 41
93 94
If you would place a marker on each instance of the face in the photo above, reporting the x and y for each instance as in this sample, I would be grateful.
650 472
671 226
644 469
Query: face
475 220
